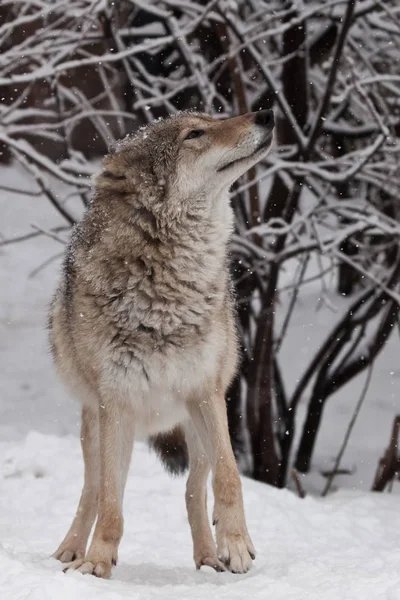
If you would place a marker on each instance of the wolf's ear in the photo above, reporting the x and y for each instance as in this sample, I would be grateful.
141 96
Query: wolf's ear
112 148
112 176
110 180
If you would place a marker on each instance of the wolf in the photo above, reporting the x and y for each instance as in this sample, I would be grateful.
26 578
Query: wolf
142 329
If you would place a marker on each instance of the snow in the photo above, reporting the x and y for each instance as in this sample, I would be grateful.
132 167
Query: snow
345 546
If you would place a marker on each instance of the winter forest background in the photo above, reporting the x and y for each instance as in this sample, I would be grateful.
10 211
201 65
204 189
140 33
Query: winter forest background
315 254
315 263
321 213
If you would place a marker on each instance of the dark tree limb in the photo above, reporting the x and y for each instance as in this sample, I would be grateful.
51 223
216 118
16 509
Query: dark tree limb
330 379
389 464
318 121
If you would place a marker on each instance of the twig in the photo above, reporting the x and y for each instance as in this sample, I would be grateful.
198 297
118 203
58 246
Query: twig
6 188
45 264
29 236
298 484
293 300
49 234
349 431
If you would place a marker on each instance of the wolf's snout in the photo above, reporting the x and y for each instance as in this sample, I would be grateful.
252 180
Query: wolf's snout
265 118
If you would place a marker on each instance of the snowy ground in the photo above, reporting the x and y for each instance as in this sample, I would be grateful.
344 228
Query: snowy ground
344 547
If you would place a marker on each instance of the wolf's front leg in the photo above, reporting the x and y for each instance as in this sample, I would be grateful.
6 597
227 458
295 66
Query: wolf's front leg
116 441
234 546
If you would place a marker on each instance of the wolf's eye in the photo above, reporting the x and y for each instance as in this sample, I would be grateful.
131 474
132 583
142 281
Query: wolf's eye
195 133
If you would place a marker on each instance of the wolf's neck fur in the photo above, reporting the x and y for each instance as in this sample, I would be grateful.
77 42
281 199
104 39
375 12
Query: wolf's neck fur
164 276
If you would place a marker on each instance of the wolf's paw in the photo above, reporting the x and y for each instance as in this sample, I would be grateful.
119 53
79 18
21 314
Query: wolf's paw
69 551
210 560
236 551
98 561
90 567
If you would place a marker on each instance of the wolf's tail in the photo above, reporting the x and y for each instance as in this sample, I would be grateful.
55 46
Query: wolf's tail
172 450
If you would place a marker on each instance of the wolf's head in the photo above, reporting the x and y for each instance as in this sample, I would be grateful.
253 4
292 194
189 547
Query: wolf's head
188 155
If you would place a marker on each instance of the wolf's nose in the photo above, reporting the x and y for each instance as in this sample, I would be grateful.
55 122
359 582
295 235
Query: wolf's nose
265 118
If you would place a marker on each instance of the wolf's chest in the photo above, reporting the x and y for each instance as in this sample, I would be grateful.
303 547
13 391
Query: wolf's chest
160 384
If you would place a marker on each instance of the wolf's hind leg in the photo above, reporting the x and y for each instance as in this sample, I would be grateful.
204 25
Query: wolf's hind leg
74 543
204 549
